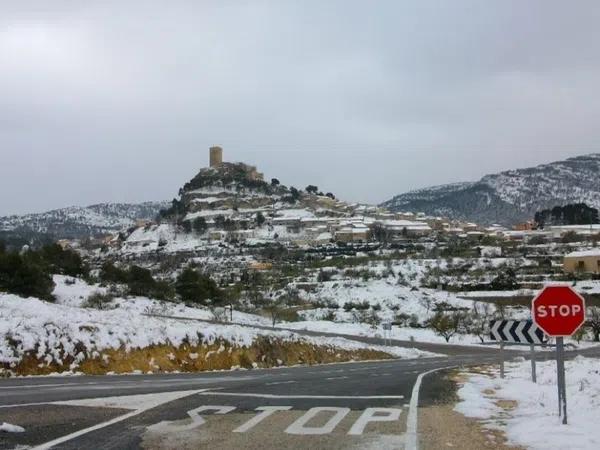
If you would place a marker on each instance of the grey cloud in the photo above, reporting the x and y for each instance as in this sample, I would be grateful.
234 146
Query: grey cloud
119 101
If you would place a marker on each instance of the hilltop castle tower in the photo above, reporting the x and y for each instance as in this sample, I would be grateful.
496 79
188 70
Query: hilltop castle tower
216 156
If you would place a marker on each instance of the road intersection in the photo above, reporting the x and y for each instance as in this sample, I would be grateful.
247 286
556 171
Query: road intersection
352 405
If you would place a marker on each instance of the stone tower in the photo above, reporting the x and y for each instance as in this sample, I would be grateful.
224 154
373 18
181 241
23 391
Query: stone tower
216 156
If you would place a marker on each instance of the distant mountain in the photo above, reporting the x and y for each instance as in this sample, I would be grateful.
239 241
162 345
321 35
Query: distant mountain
77 222
512 196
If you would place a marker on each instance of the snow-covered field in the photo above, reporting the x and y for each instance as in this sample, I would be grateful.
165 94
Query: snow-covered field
67 331
363 329
74 292
534 421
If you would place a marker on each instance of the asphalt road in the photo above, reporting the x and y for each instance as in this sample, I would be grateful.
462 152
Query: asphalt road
345 406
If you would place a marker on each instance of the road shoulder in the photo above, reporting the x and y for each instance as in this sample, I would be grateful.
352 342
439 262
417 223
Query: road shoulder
440 427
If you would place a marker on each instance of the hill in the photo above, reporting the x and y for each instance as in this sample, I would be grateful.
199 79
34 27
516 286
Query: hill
512 196
76 222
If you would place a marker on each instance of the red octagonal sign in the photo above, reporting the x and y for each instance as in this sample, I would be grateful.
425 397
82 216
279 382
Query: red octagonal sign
558 310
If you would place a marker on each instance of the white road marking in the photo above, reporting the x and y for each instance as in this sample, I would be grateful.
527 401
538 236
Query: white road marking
323 397
281 382
69 437
299 426
33 386
336 378
374 415
17 405
133 382
197 420
267 411
412 440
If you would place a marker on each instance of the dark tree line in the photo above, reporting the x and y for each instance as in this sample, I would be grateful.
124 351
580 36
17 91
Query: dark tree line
573 214
29 273
191 285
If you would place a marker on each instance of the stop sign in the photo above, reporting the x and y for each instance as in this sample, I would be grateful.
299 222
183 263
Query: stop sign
558 310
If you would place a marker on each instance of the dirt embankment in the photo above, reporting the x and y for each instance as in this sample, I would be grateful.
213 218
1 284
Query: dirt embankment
263 353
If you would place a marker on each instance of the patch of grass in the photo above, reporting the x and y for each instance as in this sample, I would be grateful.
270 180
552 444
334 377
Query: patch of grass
263 353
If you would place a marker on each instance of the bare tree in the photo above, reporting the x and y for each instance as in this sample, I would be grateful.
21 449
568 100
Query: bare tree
427 302
479 320
446 324
274 311
218 314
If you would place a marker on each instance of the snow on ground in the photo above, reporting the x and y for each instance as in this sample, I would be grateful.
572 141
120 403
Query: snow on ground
9 428
56 331
164 237
363 329
534 423
71 291
386 293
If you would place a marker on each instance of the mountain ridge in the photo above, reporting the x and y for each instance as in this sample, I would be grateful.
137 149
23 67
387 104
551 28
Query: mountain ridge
510 196
77 222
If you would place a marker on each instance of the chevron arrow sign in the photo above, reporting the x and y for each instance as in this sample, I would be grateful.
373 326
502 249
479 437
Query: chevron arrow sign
516 331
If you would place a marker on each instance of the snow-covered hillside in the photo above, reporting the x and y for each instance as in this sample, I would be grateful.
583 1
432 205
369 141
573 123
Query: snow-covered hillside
511 196
69 334
81 222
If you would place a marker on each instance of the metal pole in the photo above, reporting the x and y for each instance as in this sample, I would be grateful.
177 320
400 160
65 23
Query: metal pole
533 371
502 360
562 388
558 385
231 312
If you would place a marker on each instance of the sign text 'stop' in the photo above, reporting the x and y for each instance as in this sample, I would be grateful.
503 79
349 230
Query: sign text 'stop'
558 310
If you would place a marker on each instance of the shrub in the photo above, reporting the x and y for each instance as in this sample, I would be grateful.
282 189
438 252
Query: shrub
140 281
505 281
359 306
23 276
163 291
98 300
200 226
402 319
192 286
324 276
61 261
571 236
112 274
329 316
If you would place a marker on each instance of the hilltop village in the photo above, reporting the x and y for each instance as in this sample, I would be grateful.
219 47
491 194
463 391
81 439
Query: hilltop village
232 203
236 253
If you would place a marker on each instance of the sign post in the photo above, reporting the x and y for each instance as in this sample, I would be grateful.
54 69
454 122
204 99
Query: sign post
230 308
533 370
502 360
387 333
516 332
559 311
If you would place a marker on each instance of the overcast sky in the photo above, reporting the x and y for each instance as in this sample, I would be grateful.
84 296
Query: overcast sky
120 100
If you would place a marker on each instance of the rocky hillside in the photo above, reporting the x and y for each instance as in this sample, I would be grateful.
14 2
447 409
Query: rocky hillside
78 222
233 189
512 196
